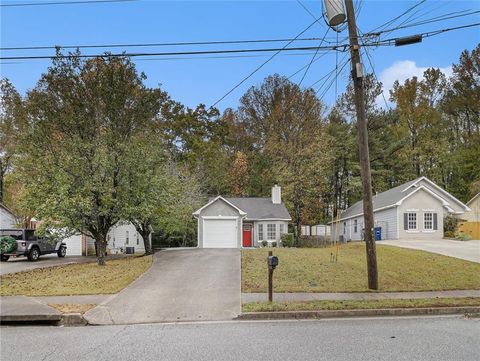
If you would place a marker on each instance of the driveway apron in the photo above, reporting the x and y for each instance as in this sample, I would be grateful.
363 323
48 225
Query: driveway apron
467 250
182 285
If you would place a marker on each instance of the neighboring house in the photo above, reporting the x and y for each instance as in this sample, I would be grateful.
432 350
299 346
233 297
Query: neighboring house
242 222
414 210
7 218
470 220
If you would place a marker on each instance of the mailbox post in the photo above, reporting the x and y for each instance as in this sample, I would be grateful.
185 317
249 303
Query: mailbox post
272 262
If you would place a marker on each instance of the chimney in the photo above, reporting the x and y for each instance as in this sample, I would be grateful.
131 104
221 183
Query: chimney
276 194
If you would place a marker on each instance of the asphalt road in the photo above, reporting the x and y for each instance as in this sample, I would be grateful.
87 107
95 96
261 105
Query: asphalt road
432 338
48 260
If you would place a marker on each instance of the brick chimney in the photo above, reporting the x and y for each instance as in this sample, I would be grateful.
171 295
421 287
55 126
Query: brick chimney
276 194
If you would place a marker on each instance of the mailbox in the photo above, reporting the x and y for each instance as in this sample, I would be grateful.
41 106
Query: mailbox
272 261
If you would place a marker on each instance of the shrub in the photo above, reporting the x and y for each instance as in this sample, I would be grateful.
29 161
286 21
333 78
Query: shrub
449 234
313 241
449 224
287 240
274 244
463 236
264 243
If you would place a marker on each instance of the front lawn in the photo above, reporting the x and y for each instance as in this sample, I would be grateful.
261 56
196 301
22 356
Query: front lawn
400 269
359 305
75 279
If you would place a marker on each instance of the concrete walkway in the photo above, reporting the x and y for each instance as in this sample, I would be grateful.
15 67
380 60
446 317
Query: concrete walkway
21 308
359 296
466 250
182 285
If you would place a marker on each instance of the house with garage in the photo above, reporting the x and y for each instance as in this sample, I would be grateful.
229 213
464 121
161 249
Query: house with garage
242 222
7 218
413 210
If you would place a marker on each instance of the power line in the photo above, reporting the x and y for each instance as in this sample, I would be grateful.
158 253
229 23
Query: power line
220 42
202 52
64 3
399 16
313 58
263 64
428 21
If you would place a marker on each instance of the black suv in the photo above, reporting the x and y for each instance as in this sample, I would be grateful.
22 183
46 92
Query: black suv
31 245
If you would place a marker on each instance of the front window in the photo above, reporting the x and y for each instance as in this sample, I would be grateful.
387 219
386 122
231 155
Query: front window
138 239
260 232
412 221
428 221
282 229
355 225
126 237
271 232
344 227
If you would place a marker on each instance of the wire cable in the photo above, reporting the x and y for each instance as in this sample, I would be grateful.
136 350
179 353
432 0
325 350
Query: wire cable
263 64
64 3
313 58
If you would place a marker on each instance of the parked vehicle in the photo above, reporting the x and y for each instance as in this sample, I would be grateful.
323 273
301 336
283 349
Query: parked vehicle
31 245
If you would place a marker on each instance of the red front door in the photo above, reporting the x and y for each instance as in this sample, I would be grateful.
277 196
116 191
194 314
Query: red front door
247 235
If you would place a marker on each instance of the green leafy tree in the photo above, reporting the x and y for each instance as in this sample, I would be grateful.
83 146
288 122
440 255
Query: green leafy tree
82 119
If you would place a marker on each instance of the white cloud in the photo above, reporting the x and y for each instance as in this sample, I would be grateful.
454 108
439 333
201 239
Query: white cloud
401 71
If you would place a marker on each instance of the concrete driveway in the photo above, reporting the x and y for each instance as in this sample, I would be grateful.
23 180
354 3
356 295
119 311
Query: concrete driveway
20 264
182 285
467 250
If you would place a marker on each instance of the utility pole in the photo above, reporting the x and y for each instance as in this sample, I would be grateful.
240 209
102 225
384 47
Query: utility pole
357 76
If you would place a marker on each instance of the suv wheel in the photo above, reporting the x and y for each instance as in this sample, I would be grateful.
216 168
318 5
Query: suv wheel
34 254
4 258
62 252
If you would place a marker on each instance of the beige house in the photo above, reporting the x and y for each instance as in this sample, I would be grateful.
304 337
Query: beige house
470 220
413 210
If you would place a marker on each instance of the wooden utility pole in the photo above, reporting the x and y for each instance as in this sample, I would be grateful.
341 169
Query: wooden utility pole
357 76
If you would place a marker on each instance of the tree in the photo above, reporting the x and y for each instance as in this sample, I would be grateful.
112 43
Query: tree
151 186
286 126
11 122
238 176
82 118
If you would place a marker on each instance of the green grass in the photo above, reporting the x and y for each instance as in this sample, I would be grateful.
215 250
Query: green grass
75 279
357 305
310 270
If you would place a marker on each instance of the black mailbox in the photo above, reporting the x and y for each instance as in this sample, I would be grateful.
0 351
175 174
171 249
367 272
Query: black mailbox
272 261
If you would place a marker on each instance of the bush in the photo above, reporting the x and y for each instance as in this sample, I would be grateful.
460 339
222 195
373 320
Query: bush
274 244
264 243
462 236
449 224
449 234
287 240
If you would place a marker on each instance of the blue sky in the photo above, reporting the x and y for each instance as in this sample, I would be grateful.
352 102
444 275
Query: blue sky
206 80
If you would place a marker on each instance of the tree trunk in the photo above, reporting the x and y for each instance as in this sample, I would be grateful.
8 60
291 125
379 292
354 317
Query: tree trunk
146 242
101 250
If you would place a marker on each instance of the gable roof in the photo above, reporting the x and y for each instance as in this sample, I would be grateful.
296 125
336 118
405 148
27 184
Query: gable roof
8 210
261 208
395 196
213 200
254 208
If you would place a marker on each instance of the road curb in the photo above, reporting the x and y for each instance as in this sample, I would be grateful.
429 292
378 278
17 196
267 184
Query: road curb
359 313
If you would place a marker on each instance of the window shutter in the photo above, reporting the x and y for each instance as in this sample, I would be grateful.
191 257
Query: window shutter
405 221
435 222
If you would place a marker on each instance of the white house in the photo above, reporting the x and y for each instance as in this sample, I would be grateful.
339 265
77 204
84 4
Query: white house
242 222
414 210
7 218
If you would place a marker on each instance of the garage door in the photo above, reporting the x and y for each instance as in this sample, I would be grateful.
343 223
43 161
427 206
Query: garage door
220 233
74 245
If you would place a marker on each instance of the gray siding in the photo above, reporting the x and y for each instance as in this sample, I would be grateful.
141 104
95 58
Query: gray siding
219 208
257 242
454 204
7 220
420 203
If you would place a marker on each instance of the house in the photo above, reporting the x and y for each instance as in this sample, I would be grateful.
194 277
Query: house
414 210
7 218
119 237
470 220
242 222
